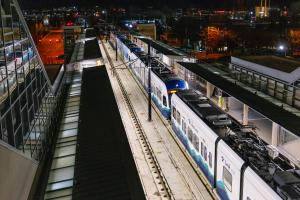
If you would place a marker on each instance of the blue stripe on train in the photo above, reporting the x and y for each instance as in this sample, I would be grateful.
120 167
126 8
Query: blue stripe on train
166 112
221 190
195 155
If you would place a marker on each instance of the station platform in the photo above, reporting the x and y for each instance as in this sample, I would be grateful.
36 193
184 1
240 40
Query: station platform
104 165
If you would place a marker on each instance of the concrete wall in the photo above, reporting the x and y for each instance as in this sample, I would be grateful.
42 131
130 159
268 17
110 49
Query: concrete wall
16 174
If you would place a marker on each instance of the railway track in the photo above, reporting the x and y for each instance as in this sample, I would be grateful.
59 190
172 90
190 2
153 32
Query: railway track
157 174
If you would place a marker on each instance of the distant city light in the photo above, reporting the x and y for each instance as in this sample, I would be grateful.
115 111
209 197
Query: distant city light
70 23
281 47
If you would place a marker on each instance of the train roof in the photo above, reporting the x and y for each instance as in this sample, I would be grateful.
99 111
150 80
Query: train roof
204 109
157 67
160 69
240 139
163 72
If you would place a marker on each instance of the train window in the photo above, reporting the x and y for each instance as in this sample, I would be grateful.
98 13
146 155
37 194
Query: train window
205 153
164 101
159 94
174 112
196 143
178 117
210 159
202 149
183 127
190 135
227 178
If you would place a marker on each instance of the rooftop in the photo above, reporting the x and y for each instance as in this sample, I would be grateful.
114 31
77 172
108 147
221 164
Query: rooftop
90 32
284 69
287 65
91 50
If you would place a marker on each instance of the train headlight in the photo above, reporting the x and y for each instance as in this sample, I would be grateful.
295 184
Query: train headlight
172 91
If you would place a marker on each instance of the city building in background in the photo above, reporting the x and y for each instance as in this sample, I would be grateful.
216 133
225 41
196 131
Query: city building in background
147 30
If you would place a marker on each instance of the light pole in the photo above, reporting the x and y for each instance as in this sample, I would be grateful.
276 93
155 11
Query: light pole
149 84
116 49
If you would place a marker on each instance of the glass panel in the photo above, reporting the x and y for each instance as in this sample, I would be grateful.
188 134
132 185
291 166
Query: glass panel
227 178
60 185
164 101
190 135
61 174
174 112
178 118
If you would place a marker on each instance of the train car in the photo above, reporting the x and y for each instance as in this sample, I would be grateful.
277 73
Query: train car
235 162
164 83
254 188
228 174
122 49
190 130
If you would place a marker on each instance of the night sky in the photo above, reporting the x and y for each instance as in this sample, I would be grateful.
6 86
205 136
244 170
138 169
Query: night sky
27 4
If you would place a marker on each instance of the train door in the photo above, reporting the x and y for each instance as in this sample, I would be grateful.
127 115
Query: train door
228 174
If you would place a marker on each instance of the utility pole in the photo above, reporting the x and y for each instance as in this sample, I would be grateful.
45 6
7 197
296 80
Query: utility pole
116 49
149 84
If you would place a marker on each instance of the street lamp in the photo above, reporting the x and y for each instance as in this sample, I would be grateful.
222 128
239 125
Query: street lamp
282 48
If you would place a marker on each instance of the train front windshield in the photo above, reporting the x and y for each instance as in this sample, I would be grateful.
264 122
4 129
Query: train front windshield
175 85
